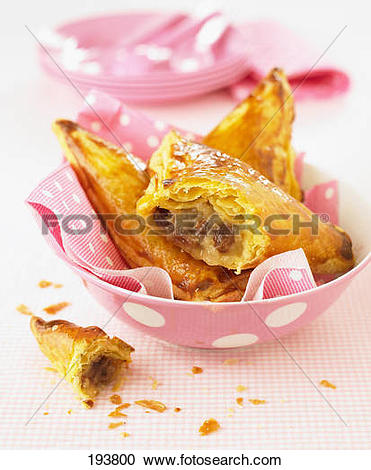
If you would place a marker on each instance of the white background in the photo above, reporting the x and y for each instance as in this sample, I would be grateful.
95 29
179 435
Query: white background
335 135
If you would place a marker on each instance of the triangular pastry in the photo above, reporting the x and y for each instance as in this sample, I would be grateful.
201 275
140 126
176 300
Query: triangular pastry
86 357
113 182
239 217
258 131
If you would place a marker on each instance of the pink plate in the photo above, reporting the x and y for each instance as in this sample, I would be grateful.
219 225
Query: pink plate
103 37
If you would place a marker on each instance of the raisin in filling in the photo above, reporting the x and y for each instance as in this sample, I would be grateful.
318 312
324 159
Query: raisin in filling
222 235
100 372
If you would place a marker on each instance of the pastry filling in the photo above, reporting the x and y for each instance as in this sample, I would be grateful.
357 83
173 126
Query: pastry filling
201 232
100 372
195 236
212 231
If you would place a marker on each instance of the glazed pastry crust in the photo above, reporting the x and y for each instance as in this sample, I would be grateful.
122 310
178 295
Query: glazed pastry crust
113 182
258 131
86 357
186 176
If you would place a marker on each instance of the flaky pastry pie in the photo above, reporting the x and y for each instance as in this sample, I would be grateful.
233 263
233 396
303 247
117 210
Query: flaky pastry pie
258 131
231 205
86 357
113 182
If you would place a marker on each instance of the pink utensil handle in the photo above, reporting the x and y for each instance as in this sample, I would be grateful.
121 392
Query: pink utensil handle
154 28
187 29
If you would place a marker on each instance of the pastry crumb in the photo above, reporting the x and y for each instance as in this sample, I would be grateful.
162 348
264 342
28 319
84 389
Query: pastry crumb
125 434
155 383
256 401
57 286
69 412
241 388
177 409
239 401
209 426
53 309
117 414
43 284
88 403
51 369
327 384
197 370
24 309
123 406
152 405
231 362
115 399
115 425
46 413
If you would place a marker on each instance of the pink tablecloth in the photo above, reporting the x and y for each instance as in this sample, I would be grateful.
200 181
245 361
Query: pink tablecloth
336 347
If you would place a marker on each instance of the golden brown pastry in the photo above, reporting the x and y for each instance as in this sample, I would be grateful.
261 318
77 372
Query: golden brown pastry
113 182
258 131
86 357
235 211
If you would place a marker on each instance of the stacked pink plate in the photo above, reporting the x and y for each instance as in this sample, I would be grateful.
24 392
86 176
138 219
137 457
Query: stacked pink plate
146 57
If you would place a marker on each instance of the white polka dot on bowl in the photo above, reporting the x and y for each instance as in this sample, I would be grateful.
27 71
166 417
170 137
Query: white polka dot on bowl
153 141
287 314
235 341
144 315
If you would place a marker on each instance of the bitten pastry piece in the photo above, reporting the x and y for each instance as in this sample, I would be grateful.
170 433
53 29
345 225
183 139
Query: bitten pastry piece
236 212
258 131
113 182
86 357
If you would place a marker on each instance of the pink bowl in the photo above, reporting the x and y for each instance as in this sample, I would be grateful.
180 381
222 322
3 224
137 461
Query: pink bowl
230 324
217 325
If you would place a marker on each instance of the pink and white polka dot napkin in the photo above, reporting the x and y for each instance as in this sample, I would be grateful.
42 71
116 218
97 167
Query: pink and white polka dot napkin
75 233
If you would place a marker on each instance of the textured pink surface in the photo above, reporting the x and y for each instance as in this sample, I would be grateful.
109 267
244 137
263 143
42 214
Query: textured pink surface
204 325
335 347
